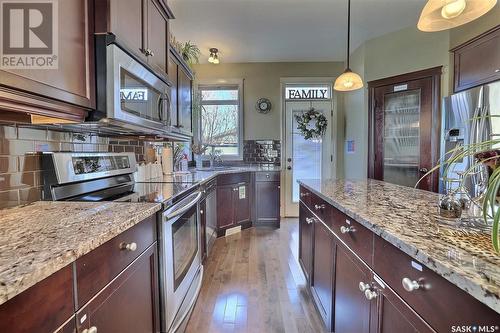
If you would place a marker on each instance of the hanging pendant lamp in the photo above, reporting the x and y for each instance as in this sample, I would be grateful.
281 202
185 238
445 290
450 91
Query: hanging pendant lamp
348 80
440 15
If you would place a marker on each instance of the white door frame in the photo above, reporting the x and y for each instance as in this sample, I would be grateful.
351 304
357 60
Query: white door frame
299 80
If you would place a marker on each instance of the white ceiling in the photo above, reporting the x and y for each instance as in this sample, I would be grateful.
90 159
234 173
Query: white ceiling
287 30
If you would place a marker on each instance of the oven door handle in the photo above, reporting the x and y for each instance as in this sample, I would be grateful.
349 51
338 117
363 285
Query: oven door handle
176 211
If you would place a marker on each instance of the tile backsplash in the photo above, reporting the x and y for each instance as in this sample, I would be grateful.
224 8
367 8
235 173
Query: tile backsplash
20 162
262 152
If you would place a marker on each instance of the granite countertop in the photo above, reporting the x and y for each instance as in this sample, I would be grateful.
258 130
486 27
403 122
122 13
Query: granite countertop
38 239
409 219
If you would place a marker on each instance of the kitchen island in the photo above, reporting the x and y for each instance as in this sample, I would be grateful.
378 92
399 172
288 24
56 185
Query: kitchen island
397 237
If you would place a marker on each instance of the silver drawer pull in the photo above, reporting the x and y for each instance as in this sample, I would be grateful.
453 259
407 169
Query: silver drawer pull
309 220
129 247
201 211
318 207
370 294
346 230
363 286
304 194
410 285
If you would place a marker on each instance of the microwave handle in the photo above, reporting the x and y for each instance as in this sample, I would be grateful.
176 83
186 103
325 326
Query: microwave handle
169 116
161 108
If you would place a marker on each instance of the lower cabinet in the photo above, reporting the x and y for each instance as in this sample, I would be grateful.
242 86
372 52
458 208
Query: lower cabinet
129 303
352 308
267 198
306 241
323 267
233 201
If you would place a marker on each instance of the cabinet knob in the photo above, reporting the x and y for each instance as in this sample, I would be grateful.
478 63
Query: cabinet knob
309 220
201 211
93 329
363 286
370 294
149 53
318 207
346 230
304 194
410 285
497 70
129 247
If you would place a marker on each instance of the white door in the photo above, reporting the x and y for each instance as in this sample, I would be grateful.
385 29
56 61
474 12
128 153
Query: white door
305 159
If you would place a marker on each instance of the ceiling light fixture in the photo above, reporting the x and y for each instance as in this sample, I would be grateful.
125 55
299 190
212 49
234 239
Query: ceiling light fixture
440 15
348 80
214 56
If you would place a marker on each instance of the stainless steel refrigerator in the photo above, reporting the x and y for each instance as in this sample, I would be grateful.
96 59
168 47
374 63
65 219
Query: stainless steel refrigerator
462 123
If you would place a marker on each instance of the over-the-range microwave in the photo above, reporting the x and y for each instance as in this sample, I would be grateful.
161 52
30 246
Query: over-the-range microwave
130 97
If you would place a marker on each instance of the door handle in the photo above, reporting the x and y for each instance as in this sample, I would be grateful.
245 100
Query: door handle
289 168
423 170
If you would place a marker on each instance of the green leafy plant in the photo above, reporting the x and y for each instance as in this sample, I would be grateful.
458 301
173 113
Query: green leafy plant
191 53
481 157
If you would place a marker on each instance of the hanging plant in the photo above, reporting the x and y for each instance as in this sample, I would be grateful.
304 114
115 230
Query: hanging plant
311 124
191 53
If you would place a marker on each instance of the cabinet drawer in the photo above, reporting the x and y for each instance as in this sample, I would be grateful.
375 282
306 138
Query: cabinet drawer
233 178
272 176
437 301
321 208
305 195
99 267
358 238
42 308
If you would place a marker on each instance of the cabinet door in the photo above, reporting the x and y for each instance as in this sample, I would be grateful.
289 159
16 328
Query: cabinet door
73 79
352 308
267 202
129 304
241 202
322 281
306 233
173 68
185 102
127 22
477 62
203 229
225 206
390 314
157 37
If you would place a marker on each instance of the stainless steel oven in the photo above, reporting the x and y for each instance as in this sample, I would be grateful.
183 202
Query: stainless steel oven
182 270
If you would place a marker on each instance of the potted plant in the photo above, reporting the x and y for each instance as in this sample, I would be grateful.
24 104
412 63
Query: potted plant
483 158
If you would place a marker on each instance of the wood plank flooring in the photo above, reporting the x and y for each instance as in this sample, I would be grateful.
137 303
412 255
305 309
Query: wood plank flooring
253 283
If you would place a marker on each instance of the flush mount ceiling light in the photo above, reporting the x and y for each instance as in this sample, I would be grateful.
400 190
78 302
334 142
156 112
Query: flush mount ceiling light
214 56
440 15
348 80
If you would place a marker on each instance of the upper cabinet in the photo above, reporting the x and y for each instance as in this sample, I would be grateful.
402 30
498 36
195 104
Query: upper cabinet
141 26
477 61
181 77
51 74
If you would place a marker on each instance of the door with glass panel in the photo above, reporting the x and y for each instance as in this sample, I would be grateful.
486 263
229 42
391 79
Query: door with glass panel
404 142
305 159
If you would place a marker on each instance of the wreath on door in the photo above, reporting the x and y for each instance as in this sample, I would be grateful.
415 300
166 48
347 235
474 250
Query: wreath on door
311 124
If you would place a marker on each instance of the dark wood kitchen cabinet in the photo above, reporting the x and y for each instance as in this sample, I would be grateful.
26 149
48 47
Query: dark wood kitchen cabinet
324 270
129 304
267 198
141 26
233 201
64 91
352 308
477 61
181 103
306 241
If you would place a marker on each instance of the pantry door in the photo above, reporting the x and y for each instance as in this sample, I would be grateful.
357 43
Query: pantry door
305 159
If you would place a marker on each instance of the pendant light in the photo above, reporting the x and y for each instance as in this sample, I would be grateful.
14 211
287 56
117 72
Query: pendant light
440 15
348 80
214 56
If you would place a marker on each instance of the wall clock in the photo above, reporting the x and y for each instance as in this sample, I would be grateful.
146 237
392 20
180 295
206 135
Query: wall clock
263 105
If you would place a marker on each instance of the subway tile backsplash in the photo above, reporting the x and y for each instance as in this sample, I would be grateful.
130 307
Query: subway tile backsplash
262 152
20 162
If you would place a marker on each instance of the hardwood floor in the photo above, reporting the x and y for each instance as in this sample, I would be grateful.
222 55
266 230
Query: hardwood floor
253 283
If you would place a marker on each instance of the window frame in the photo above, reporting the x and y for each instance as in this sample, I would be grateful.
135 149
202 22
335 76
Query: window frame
221 84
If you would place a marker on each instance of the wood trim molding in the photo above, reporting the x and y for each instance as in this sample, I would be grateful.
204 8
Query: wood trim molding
438 70
474 39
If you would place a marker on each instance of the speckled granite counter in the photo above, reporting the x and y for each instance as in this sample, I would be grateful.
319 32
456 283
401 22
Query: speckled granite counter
39 239
408 219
